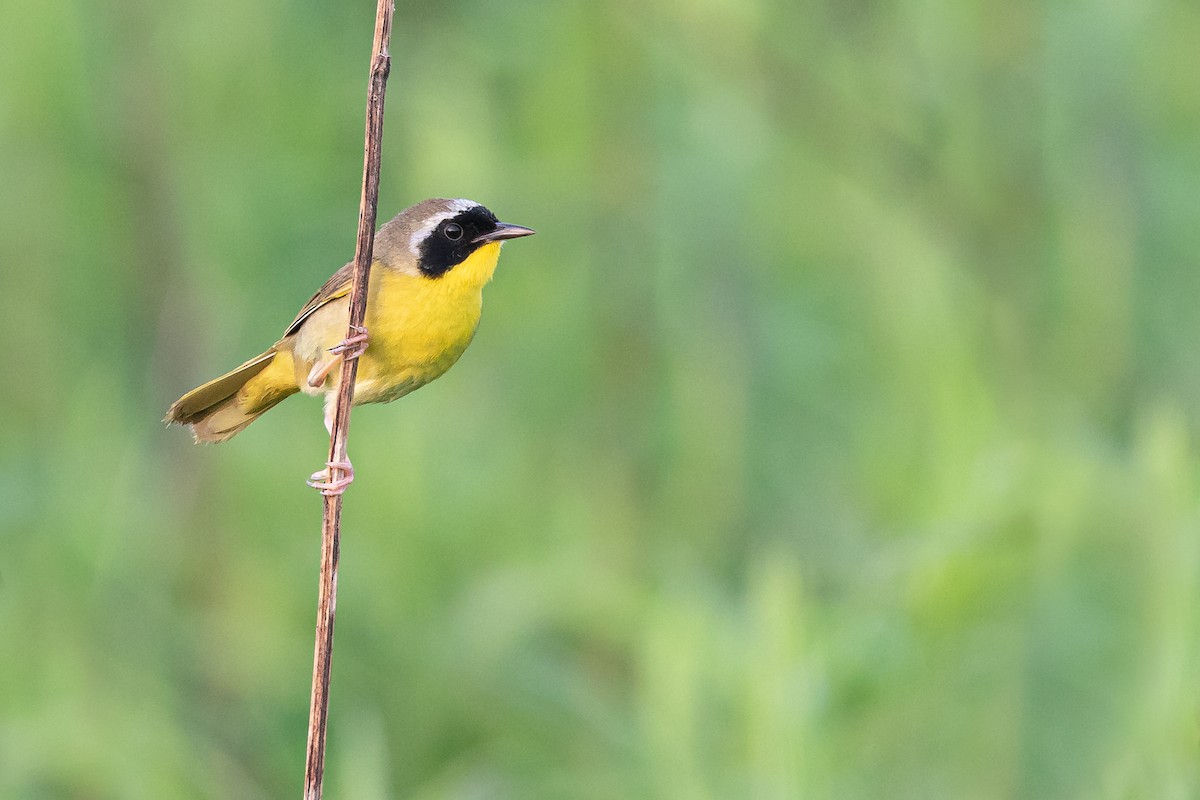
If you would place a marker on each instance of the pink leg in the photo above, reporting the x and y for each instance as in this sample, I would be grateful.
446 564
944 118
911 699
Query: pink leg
330 407
350 348
321 371
328 483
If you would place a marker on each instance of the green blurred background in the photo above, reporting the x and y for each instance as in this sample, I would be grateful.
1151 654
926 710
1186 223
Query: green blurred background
836 437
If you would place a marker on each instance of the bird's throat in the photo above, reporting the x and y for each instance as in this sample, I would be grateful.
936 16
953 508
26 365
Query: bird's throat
475 271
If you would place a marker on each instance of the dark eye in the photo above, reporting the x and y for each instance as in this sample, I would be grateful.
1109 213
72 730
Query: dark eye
453 231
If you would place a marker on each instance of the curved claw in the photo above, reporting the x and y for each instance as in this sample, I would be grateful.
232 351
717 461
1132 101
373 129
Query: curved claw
352 346
327 482
348 349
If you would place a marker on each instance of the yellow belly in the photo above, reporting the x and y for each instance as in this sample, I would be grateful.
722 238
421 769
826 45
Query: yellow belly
417 331
418 328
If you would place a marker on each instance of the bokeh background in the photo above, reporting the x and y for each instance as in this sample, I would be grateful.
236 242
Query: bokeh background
835 437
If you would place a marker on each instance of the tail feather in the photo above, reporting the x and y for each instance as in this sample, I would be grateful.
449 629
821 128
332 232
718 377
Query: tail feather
219 409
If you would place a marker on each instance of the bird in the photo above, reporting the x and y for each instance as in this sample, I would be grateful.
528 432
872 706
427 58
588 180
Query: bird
430 264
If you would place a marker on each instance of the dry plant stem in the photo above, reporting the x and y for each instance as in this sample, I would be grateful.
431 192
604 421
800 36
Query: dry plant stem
314 767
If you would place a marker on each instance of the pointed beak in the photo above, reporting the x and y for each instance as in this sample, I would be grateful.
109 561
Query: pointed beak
503 231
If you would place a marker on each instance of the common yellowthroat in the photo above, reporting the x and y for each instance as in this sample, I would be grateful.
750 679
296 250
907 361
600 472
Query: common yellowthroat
431 262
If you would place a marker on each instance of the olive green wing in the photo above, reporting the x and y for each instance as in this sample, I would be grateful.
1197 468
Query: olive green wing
337 286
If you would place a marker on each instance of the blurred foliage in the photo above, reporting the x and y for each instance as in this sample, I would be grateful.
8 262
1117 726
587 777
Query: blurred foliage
836 437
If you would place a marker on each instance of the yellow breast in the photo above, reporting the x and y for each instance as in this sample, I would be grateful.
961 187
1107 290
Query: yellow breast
419 326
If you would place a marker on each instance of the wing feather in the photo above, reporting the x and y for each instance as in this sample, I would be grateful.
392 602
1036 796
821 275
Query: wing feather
337 286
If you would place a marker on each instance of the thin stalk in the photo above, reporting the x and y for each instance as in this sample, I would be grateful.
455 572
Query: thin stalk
314 767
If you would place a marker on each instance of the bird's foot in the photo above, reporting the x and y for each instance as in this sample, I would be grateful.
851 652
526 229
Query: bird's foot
328 482
352 347
349 349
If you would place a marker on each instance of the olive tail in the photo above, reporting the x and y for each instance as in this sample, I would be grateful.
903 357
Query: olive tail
221 408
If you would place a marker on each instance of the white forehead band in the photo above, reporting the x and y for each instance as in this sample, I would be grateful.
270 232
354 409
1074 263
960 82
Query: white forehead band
456 208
